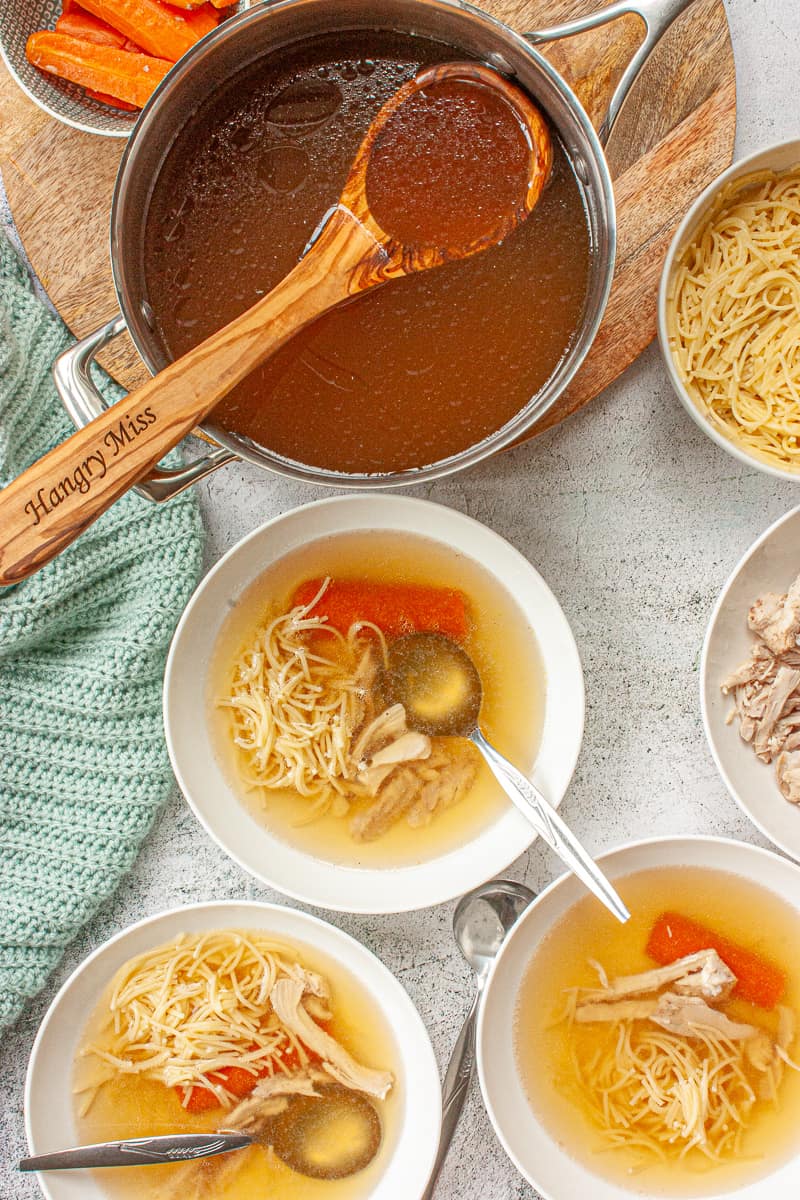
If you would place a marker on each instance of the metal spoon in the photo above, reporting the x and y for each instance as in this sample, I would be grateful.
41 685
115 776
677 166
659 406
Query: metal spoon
439 686
300 1136
145 1151
480 923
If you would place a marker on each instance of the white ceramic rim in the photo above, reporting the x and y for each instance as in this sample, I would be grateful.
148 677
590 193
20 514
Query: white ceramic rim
418 1135
792 851
343 888
682 850
760 159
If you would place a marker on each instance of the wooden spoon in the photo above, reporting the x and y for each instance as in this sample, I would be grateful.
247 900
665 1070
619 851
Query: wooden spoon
58 497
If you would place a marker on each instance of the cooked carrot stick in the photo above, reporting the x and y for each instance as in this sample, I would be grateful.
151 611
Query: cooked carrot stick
186 5
159 30
237 1080
112 101
396 608
200 20
129 77
80 24
83 25
674 936
223 3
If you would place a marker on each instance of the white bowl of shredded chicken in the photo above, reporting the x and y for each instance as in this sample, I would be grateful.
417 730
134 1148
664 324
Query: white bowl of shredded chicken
727 311
299 716
170 1004
750 683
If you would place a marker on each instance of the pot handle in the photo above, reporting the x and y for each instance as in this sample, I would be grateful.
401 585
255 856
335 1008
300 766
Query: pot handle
657 15
83 402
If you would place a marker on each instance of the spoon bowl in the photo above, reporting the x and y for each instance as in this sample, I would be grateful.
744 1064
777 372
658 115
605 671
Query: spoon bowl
484 916
437 683
481 921
331 1136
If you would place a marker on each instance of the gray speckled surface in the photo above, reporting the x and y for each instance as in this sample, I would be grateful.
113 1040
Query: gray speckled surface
635 520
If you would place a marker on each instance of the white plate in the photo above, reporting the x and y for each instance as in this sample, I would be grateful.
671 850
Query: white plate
770 565
49 1110
211 796
532 1149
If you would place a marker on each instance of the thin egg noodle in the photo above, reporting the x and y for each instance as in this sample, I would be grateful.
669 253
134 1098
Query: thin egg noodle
734 317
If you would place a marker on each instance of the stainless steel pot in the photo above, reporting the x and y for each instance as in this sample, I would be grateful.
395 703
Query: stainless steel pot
267 27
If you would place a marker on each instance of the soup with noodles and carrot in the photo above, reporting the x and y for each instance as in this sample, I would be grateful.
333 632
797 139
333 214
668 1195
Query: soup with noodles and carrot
304 729
233 1030
662 1054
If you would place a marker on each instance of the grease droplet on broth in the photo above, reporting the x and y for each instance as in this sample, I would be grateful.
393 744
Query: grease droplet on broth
284 167
308 102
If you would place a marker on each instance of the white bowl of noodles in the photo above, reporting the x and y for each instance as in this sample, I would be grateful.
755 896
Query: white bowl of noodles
372 1015
391 845
571 1102
727 310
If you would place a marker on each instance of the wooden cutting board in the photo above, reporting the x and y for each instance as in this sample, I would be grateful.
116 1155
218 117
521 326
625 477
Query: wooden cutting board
675 134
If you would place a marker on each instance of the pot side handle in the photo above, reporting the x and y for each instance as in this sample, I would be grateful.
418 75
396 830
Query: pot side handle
657 16
83 402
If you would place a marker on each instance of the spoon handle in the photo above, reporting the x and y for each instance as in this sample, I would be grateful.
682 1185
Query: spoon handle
549 825
455 1090
139 1151
59 496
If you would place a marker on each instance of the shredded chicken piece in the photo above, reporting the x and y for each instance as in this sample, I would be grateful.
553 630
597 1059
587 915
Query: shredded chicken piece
373 778
776 619
784 685
415 790
313 984
766 688
407 748
286 998
391 803
589 1012
269 1098
388 725
700 974
446 778
685 1015
760 1051
787 769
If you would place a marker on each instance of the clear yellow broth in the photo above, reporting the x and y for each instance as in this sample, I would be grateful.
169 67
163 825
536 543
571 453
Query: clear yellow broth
733 907
128 1107
500 642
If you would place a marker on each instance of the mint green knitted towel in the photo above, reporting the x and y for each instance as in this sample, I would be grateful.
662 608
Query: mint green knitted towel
83 764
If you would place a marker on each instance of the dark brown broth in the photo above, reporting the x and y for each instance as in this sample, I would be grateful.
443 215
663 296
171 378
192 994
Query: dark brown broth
449 166
405 375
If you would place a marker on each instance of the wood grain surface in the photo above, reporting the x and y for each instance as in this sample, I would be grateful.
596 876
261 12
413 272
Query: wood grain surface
674 135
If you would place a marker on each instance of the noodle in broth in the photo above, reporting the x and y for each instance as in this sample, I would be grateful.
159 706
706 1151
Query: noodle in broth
228 1030
676 1079
290 704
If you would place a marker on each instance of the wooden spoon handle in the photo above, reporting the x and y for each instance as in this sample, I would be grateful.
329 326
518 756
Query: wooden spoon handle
58 497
